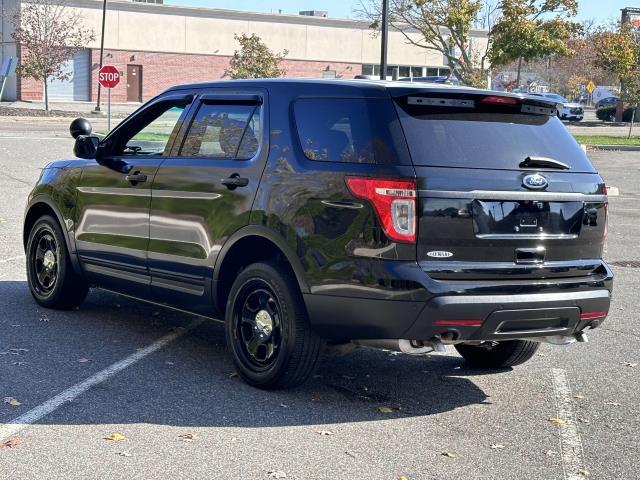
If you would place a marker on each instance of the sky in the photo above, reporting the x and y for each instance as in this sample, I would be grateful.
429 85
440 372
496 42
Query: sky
600 10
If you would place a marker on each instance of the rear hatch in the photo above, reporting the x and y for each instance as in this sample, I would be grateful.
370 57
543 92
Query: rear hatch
504 191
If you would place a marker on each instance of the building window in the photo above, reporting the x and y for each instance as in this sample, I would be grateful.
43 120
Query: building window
404 71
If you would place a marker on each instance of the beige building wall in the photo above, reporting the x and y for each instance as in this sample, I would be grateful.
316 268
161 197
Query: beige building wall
165 28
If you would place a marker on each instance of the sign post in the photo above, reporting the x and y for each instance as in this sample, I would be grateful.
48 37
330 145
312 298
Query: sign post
109 77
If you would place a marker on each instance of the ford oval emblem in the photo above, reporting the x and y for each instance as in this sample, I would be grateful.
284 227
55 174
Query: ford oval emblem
535 181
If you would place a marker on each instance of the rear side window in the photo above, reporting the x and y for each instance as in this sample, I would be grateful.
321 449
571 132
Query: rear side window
352 130
496 139
223 131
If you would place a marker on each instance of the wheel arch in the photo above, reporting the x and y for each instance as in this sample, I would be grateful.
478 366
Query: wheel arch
38 207
248 245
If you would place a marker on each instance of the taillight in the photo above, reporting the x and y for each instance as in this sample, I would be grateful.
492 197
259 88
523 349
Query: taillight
394 202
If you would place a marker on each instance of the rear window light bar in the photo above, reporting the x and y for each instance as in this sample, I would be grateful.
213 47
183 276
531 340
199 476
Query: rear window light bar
441 102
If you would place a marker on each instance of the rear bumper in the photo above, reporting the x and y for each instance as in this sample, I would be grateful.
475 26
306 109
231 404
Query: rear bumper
472 311
503 317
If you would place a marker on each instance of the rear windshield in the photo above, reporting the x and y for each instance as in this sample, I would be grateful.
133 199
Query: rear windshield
499 139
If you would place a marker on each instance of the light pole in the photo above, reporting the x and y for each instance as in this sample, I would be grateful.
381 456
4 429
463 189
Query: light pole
385 39
104 15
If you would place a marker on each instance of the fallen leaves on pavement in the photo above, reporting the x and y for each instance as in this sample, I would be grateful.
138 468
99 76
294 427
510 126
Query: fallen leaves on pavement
324 432
83 360
276 474
558 421
12 401
385 410
11 443
124 454
496 446
584 472
613 404
187 437
630 364
448 454
116 437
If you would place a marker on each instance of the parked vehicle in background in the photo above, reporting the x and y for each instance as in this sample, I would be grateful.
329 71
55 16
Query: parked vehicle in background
607 102
432 79
400 215
567 110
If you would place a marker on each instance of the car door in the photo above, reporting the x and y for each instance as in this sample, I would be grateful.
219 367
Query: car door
203 193
114 197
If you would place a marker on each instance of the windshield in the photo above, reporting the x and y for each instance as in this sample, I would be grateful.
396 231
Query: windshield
463 138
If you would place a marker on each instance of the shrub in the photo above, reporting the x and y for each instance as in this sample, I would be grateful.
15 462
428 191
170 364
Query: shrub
608 113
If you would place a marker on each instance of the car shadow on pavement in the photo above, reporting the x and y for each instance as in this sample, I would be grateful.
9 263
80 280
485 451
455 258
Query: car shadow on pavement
191 382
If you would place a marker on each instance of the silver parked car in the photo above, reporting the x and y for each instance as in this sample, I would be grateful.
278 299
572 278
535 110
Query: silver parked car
566 110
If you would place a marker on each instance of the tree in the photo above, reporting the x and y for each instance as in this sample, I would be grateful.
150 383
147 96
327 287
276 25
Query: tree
619 53
532 29
50 34
254 59
442 26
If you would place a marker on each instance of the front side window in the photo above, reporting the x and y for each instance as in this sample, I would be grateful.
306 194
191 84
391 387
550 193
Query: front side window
152 132
223 131
352 130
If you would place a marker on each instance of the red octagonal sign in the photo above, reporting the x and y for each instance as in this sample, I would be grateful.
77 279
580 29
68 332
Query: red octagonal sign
108 76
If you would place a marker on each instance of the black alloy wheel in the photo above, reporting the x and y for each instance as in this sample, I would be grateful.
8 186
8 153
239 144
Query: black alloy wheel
52 280
267 328
45 257
258 325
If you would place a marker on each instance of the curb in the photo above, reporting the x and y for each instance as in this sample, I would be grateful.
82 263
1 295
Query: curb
622 148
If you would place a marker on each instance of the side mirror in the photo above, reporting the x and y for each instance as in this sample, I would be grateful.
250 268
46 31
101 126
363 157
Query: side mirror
86 146
80 126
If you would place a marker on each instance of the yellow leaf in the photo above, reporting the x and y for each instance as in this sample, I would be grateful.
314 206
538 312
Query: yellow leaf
584 472
402 477
116 437
12 401
448 454
579 397
385 410
558 421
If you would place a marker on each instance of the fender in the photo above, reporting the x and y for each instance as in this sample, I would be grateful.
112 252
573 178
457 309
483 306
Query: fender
69 239
271 235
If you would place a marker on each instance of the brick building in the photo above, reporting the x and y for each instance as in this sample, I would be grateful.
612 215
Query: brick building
155 46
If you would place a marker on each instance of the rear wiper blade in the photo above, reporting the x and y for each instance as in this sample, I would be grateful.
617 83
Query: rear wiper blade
544 162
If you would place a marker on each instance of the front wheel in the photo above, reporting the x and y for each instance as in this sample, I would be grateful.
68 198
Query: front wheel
52 280
267 329
498 354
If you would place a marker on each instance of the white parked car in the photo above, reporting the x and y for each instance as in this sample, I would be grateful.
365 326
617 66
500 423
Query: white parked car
568 110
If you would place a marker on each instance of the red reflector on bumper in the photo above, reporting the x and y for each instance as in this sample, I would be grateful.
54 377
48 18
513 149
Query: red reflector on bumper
458 323
590 315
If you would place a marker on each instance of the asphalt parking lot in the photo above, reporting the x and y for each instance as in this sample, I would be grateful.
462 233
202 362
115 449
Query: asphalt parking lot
164 382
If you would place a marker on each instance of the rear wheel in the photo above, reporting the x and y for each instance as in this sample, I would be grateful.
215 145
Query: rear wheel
52 280
498 354
267 328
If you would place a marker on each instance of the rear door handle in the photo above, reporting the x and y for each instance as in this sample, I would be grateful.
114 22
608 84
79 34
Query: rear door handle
235 181
136 178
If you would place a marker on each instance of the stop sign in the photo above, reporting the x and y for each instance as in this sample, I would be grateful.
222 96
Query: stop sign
108 76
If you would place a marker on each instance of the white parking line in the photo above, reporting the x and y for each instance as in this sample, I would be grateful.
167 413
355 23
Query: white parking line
9 429
570 441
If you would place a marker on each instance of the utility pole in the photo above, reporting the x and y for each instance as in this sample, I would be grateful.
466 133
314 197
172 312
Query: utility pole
104 16
385 39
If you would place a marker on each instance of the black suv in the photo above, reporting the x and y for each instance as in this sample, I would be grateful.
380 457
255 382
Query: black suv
406 216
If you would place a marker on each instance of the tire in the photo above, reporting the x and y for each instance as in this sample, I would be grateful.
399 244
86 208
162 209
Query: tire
504 354
267 328
52 280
